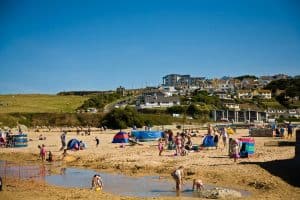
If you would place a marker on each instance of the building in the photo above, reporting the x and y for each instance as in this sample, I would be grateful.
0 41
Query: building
121 90
239 115
223 95
263 94
159 101
171 79
168 90
181 80
244 94
232 106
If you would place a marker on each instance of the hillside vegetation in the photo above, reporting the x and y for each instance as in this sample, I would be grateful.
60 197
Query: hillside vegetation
40 103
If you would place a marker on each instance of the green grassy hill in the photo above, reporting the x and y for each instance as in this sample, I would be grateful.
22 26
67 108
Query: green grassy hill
40 103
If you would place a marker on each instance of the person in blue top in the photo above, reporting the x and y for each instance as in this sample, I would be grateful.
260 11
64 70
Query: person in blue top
282 131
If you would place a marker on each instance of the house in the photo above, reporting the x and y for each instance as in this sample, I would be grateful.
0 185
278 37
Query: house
159 101
263 94
232 106
249 83
223 95
244 94
168 90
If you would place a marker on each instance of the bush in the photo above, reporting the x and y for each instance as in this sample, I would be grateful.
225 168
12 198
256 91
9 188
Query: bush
176 109
122 118
99 101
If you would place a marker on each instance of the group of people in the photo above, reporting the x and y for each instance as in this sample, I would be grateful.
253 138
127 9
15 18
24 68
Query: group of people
280 131
6 137
181 142
177 175
43 154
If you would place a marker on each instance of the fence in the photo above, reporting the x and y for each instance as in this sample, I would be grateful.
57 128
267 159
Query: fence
22 171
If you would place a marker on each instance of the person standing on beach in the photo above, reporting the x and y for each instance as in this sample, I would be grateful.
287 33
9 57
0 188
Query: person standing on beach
43 152
224 136
281 131
290 130
63 140
236 150
78 130
160 146
89 130
97 141
209 129
177 175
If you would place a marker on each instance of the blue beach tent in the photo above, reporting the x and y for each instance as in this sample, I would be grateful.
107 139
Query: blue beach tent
72 144
208 141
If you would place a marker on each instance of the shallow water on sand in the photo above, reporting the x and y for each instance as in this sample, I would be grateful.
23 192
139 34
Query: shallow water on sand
145 186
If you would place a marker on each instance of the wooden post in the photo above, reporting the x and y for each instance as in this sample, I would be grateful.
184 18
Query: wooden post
297 146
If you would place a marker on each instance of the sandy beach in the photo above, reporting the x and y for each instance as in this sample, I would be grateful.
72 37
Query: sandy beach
212 166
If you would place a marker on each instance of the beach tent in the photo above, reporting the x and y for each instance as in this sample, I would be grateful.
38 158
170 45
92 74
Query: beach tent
73 144
120 137
208 141
247 147
144 136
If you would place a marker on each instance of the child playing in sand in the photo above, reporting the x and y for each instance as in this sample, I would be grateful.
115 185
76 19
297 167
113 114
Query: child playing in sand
160 146
198 185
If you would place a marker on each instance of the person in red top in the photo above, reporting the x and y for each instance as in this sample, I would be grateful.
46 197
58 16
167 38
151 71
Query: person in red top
178 142
160 146
43 152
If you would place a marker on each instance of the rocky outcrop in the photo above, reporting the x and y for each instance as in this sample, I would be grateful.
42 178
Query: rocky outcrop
219 193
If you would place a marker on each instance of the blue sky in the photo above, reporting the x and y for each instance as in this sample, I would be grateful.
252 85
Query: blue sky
53 45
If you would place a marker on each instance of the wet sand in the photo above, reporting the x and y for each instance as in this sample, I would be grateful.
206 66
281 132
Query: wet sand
212 166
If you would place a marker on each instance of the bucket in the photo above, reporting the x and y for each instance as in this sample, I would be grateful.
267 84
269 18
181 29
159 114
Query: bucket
195 148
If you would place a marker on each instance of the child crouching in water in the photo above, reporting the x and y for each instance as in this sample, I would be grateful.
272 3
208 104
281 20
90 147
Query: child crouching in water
198 185
97 183
160 146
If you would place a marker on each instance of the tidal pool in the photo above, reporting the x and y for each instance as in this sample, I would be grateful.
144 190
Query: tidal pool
119 184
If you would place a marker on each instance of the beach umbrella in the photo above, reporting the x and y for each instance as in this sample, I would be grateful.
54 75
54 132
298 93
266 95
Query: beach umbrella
121 137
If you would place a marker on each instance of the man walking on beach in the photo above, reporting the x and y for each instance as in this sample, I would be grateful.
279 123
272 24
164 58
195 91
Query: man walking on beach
63 140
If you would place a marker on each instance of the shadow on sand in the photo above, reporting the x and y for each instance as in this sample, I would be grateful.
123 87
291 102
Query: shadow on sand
288 169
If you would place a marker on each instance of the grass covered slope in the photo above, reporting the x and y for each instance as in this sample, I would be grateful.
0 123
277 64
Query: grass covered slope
40 103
